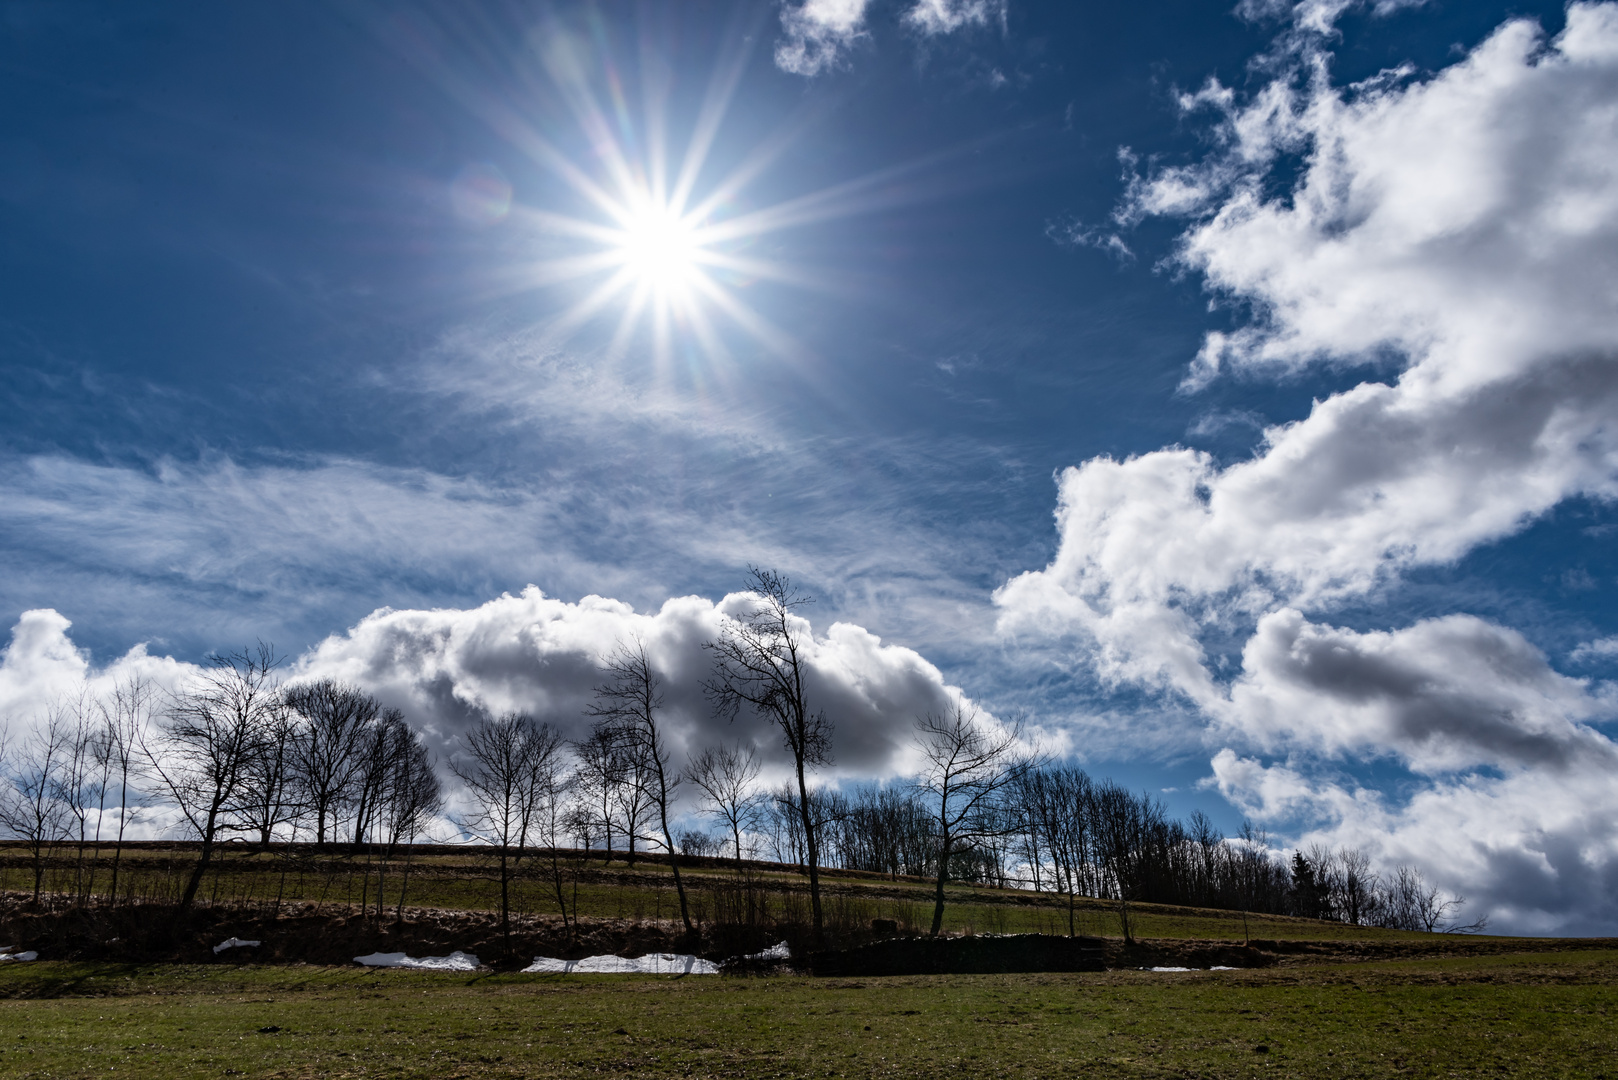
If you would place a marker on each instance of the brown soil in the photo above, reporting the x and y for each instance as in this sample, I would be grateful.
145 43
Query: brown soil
307 933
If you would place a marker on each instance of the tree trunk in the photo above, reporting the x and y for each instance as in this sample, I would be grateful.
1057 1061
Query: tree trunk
505 900
938 895
674 865
813 851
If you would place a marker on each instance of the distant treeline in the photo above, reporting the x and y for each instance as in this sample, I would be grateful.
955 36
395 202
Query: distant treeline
1057 830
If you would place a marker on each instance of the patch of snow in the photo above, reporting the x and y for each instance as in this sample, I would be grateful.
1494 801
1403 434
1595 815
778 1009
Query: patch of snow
781 951
9 957
650 964
1190 969
235 943
455 961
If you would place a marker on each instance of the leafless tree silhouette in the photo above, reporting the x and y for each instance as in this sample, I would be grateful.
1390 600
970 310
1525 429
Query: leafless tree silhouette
759 663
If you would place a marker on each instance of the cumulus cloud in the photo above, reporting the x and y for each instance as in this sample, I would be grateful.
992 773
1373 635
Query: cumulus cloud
817 34
42 669
1524 848
1443 695
446 668
1459 233
532 653
1465 224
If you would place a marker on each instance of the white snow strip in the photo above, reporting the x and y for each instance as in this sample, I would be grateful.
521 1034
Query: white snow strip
455 961
1190 969
235 943
781 951
18 957
650 964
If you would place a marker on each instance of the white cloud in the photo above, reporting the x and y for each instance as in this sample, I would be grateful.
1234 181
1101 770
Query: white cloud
1460 232
532 653
42 669
1592 651
818 33
1467 224
937 17
1442 695
1524 848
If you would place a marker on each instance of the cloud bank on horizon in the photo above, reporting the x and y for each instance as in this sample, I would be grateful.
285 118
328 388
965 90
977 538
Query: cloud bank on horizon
533 654
1462 228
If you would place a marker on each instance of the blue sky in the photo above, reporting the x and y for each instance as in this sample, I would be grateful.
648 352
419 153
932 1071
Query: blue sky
287 337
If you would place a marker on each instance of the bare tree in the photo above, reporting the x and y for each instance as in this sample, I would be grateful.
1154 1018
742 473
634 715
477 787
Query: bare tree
967 766
1409 903
378 746
600 771
270 796
208 744
125 720
504 766
626 707
631 796
78 781
759 663
557 815
1358 887
727 777
31 808
336 719
411 797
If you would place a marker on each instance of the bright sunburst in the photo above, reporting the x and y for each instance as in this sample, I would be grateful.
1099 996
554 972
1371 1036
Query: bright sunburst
656 247
661 249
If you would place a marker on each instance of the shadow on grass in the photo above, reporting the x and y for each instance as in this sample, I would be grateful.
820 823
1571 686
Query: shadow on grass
61 980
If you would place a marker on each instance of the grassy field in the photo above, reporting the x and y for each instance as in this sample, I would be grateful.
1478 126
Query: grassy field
1547 1015
463 879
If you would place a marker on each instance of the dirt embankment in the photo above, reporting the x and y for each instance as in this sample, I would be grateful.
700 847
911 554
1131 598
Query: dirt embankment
308 933
159 933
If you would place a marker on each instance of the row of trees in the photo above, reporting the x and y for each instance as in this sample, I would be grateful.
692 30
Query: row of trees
1054 829
237 754
232 754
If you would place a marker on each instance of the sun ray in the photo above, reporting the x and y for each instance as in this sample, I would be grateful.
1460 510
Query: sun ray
652 231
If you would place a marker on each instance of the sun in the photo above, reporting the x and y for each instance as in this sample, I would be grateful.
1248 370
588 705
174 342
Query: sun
659 240
661 249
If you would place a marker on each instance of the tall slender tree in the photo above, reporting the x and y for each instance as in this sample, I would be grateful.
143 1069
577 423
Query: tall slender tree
967 765
627 708
504 763
126 717
760 664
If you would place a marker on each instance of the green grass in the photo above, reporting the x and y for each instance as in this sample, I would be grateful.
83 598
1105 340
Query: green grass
465 881
1549 1015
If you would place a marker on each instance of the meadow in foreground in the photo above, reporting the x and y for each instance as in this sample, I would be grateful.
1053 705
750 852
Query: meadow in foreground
1541 1015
